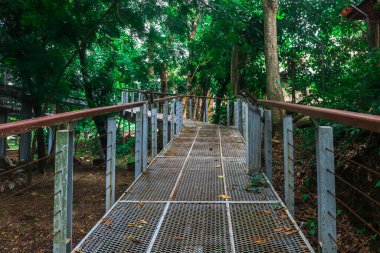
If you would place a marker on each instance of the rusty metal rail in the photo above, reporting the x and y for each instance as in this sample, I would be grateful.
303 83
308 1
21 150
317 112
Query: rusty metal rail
23 126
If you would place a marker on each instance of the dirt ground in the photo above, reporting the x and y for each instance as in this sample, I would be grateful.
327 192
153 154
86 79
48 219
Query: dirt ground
30 213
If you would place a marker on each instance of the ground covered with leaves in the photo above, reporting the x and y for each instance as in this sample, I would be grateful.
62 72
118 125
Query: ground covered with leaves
30 213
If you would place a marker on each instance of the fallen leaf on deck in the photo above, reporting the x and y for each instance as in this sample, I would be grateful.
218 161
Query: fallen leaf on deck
140 204
107 221
279 229
78 251
220 176
217 166
140 226
290 232
224 196
179 238
131 224
142 221
267 211
259 240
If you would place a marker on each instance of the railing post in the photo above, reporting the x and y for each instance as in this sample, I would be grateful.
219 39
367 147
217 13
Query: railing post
190 113
62 164
172 119
154 132
326 190
145 139
138 143
165 124
111 161
181 113
244 119
177 116
3 141
228 113
236 115
133 100
253 142
268 144
206 110
70 188
288 163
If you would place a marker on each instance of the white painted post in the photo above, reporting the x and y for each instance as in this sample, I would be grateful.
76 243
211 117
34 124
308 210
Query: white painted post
133 109
268 144
154 132
165 124
70 187
236 115
228 113
206 110
180 113
145 138
288 163
172 119
190 108
50 140
326 190
138 143
177 116
244 119
60 190
253 146
111 161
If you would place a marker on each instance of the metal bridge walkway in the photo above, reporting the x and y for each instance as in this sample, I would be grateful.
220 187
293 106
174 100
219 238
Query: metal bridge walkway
193 198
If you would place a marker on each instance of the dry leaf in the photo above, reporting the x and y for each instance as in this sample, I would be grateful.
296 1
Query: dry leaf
220 176
140 226
259 240
279 229
267 211
290 232
78 250
131 224
179 238
217 166
107 221
224 196
143 221
140 204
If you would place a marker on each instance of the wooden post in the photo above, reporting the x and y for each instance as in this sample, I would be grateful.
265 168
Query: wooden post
154 132
253 144
268 144
236 115
62 164
111 161
206 110
138 143
165 125
326 191
288 163
145 139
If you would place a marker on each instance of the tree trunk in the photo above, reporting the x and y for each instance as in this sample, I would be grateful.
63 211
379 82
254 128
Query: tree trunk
235 70
273 88
40 140
100 121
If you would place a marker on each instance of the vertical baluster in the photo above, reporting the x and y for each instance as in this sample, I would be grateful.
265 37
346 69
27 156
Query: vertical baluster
190 108
145 138
326 190
268 143
288 163
206 110
172 120
253 144
138 143
165 124
154 132
111 161
228 113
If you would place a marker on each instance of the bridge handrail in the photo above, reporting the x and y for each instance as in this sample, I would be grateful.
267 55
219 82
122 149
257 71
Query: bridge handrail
23 126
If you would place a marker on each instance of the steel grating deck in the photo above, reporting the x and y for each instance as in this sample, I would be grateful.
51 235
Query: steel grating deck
178 204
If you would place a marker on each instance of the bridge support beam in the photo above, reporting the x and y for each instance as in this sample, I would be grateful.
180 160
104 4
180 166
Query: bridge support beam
145 139
268 144
138 143
288 163
165 125
154 132
326 191
253 142
111 161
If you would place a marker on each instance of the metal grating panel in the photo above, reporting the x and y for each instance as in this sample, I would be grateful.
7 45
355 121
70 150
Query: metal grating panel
177 148
207 139
158 182
233 149
255 225
194 228
200 180
114 234
208 133
237 181
228 138
210 127
186 134
209 149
